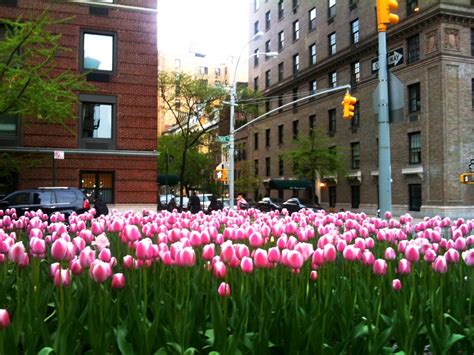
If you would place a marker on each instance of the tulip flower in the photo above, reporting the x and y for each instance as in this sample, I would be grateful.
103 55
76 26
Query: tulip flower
4 319
412 253
380 267
440 264
313 275
219 270
62 277
224 290
396 285
246 265
118 281
468 257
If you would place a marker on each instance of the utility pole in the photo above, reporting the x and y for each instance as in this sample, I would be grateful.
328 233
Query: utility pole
384 18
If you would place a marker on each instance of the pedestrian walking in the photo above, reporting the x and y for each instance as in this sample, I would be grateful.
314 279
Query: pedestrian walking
241 203
194 203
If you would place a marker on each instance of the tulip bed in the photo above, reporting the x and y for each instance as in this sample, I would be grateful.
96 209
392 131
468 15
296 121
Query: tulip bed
235 282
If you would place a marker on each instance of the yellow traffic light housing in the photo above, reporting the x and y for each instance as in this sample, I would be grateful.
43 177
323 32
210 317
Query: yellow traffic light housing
466 178
348 106
384 14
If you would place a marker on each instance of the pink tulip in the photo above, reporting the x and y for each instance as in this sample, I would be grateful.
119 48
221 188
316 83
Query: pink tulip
62 277
118 281
246 264
208 252
430 255
219 270
128 262
86 257
329 253
452 256
4 319
105 255
274 255
144 250
37 247
17 252
313 275
186 257
468 257
351 253
380 267
227 251
404 266
368 258
295 259
59 249
224 290
53 268
260 258
76 267
100 271
101 241
131 233
256 240
440 265
396 285
412 253
390 254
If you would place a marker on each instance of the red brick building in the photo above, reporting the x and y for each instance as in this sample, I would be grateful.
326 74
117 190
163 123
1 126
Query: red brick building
110 149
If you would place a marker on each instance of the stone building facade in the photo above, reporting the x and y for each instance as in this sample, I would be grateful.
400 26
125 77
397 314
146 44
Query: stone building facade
115 41
334 42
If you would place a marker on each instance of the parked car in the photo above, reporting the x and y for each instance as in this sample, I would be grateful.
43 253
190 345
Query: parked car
48 199
294 205
268 204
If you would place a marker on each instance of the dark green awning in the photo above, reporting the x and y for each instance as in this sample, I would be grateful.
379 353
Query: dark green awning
290 184
168 179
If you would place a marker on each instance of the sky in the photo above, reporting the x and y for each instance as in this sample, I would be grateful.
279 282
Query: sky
217 28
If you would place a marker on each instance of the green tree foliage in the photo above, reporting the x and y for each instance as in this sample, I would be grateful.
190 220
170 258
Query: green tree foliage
246 178
199 166
313 155
196 116
31 85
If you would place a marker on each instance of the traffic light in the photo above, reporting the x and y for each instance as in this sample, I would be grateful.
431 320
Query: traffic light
348 105
220 175
384 14
466 178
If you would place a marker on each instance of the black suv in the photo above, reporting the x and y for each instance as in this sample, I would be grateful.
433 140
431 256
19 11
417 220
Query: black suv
48 199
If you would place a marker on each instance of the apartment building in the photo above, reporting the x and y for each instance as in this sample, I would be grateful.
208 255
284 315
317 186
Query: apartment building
110 147
327 43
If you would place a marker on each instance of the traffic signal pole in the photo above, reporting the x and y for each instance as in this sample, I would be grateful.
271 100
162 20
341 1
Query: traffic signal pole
384 18
385 174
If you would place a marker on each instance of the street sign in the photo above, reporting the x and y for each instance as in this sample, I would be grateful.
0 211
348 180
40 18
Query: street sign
394 58
466 178
471 164
396 99
223 139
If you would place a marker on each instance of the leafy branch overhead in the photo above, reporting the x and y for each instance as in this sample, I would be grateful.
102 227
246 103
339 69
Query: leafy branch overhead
31 82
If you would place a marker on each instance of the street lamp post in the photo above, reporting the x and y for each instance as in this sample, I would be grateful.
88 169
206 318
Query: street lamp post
233 94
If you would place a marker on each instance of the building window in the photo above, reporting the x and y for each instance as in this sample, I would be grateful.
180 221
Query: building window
281 40
332 43
97 123
9 130
355 155
355 31
97 184
267 137
312 19
295 97
355 73
203 70
267 20
313 87
280 134
414 98
98 51
281 9
267 166
256 5
296 130
413 44
412 7
267 48
333 79
255 141
355 121
268 105
256 54
312 54
8 2
295 4
414 197
296 63
268 79
296 30
331 8
332 121
280 102
472 92
311 123
255 83
255 167
281 171
472 42
414 141
355 196
332 196
280 71
255 28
